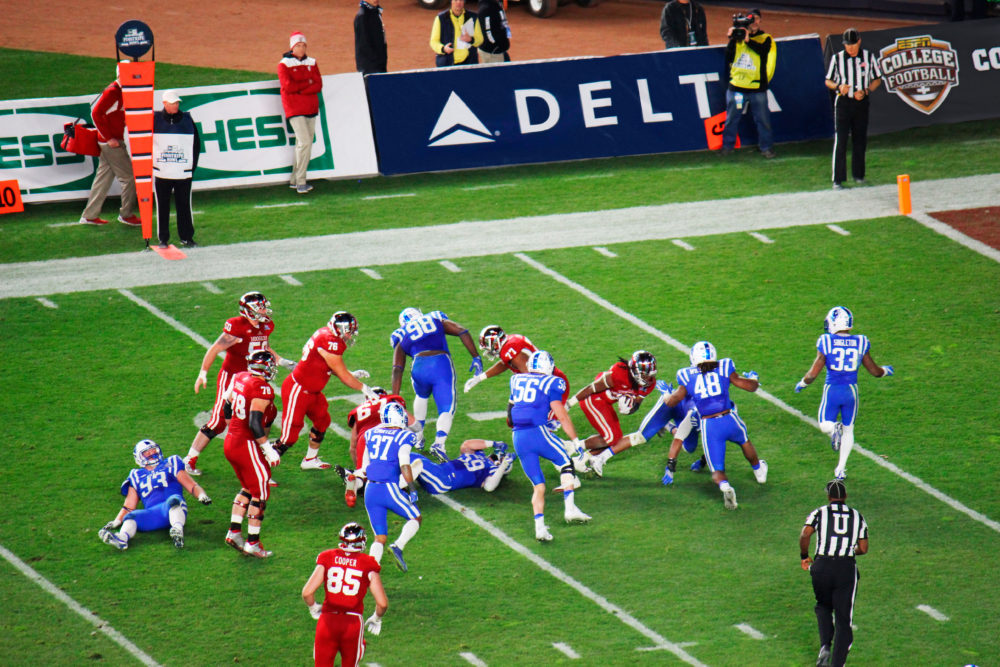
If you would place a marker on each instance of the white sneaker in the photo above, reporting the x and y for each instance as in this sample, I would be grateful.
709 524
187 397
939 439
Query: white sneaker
597 465
840 473
111 539
315 463
729 498
177 535
574 514
761 472
542 534
235 540
189 469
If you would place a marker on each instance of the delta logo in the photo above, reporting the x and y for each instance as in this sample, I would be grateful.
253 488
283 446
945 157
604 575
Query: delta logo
920 71
458 126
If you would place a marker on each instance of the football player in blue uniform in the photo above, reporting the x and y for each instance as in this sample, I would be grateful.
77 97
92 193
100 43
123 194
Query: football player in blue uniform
424 337
160 484
841 353
532 396
680 420
387 457
707 381
470 470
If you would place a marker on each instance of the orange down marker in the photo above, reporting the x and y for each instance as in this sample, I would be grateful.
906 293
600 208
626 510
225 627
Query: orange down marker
903 184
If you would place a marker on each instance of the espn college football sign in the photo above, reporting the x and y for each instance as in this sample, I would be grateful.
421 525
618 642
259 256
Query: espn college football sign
920 70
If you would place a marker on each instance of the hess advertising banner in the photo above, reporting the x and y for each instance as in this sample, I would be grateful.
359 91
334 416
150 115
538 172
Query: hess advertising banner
244 135
571 109
938 74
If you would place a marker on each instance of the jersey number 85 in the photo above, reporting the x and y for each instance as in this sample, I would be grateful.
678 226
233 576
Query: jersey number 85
341 580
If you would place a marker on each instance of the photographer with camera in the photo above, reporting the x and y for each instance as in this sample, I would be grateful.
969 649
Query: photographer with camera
751 55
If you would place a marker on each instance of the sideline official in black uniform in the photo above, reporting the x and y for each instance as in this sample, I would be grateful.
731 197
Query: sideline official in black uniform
841 534
176 146
854 74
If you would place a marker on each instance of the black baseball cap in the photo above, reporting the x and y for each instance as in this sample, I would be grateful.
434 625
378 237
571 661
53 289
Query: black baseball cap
852 36
754 11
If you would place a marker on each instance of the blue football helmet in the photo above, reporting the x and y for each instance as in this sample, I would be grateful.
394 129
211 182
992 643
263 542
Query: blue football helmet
147 453
393 415
701 352
838 319
491 339
642 367
408 314
352 537
541 362
344 325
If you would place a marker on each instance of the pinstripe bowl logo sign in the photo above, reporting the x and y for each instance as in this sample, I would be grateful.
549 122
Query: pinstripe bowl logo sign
920 71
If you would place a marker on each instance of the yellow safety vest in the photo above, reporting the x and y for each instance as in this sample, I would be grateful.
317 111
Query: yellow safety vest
745 70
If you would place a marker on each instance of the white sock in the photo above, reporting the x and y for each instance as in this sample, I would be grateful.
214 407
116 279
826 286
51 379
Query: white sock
312 452
128 529
192 453
539 521
376 551
846 445
444 424
723 485
410 529
420 410
177 516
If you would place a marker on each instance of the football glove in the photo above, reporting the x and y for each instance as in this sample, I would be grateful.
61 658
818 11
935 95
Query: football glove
752 375
271 454
571 402
204 499
287 363
367 391
668 476
800 386
577 446
477 365
113 525
413 496
361 374
373 624
474 380
315 609
888 371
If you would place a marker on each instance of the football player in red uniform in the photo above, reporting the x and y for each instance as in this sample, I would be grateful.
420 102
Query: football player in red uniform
362 418
512 352
246 448
626 383
346 574
241 336
302 391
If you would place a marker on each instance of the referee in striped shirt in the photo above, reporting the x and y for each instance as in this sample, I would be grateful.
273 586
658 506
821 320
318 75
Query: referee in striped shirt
841 534
853 74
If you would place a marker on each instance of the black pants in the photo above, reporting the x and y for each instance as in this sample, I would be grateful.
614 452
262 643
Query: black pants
180 190
850 116
835 584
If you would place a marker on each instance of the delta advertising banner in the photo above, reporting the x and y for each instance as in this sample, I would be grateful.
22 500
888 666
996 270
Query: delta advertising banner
578 108
933 74
244 135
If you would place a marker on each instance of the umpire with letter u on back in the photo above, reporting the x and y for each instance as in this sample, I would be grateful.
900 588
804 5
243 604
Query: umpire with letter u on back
841 534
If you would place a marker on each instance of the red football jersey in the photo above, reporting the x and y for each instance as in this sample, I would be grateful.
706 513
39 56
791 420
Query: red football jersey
345 579
367 415
621 384
513 346
311 372
252 339
245 388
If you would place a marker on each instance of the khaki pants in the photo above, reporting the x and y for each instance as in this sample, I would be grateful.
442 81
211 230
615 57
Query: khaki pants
113 163
305 131
491 57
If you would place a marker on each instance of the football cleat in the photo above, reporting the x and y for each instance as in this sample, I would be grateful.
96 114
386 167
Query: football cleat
840 473
761 473
642 368
112 539
257 550
189 466
263 364
491 339
701 352
272 482
344 325
397 553
342 472
542 534
235 540
541 362
823 659
729 498
835 437
352 537
438 452
500 448
507 462
699 464
596 464
314 463
147 453
393 415
838 319
177 535
574 514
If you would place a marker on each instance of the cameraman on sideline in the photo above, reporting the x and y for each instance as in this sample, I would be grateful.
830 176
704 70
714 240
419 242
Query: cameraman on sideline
750 58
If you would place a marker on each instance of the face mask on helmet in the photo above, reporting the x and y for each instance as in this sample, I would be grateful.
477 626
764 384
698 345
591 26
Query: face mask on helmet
491 339
701 352
352 537
642 367
393 415
262 364
838 319
541 362
255 307
147 453
408 314
344 325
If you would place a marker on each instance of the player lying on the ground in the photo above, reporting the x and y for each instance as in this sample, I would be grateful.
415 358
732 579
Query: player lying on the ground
471 469
158 482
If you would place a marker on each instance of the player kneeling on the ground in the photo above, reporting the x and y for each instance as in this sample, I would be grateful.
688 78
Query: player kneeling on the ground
158 482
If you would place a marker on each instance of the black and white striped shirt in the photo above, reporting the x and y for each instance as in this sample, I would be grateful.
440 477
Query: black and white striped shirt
857 72
838 529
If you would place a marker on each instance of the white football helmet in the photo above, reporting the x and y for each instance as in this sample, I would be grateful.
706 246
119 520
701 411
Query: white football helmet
344 325
393 415
352 537
838 319
147 453
701 352
541 362
491 339
408 314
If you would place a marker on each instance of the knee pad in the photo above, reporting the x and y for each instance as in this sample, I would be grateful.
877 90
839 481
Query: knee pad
636 438
281 447
207 432
260 505
317 436
242 499
568 479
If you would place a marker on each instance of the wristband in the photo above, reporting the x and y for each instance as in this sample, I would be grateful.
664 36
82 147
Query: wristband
804 556
203 376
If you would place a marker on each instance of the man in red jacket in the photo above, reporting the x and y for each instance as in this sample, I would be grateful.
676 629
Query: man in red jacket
109 118
300 85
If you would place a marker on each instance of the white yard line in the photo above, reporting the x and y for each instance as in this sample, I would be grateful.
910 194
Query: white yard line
286 205
838 229
485 416
761 237
372 273
682 244
84 613
211 287
932 612
489 186
604 251
187 331
566 650
956 236
684 349
45 302
750 631
395 196
451 266
472 659
291 280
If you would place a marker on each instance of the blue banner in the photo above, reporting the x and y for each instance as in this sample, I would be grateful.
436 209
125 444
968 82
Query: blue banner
548 111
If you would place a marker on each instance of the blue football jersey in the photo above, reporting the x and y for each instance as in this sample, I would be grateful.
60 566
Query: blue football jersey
384 446
421 334
531 395
471 469
709 391
156 485
843 353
